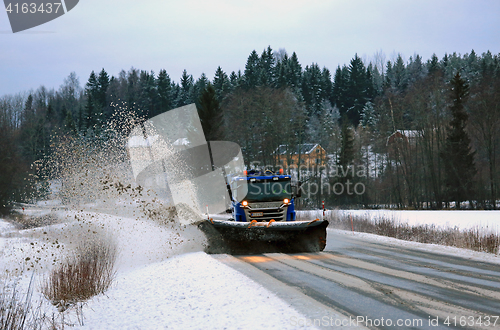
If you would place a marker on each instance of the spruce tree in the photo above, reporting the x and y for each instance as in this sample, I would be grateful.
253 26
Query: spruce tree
199 86
356 91
340 89
102 87
164 90
132 89
312 89
221 84
293 74
186 89
433 64
210 114
252 70
400 78
267 68
91 93
458 156
148 94
345 159
346 155
326 81
235 79
69 123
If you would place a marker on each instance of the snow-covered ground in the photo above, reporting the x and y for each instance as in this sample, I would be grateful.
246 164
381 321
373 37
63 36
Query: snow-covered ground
484 220
164 280
189 291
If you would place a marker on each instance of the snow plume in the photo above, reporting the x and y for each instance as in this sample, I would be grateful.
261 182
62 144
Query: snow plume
170 150
95 194
144 184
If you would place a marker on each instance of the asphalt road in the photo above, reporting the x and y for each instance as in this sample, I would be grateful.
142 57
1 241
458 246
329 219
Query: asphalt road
358 283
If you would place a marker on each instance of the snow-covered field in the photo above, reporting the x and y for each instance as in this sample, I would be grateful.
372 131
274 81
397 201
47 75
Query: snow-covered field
484 220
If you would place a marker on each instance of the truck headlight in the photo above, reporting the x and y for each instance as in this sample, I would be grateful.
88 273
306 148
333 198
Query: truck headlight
286 201
244 203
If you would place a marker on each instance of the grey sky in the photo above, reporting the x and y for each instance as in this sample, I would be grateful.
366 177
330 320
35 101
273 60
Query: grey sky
199 35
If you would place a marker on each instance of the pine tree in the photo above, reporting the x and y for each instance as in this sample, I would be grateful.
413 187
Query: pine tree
90 113
164 90
199 86
346 155
433 64
91 109
281 71
102 87
221 84
368 116
148 94
294 72
370 84
267 67
356 91
458 155
92 85
312 89
186 90
340 89
252 70
389 76
400 77
415 70
69 123
326 81
133 91
236 79
345 160
210 114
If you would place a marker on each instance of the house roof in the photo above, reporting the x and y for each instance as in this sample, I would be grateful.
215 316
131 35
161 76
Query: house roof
302 149
408 134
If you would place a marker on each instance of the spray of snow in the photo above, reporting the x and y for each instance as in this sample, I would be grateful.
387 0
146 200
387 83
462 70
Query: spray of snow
93 193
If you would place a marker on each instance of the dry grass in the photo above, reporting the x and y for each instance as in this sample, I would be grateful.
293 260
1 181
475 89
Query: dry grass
473 239
16 310
89 273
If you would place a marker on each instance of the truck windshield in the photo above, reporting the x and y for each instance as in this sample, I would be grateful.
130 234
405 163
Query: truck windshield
269 190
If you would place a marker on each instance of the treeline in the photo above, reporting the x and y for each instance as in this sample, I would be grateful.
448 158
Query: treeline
354 114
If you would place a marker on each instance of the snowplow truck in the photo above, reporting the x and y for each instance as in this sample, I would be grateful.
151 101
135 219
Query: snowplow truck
263 218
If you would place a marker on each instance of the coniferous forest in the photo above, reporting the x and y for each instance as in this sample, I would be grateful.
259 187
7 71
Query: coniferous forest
416 133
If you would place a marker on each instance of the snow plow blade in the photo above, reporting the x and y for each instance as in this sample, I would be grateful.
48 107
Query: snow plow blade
264 237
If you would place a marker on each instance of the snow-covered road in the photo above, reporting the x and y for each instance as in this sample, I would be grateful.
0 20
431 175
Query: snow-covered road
387 283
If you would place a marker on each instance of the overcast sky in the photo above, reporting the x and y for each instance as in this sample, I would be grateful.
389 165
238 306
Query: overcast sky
199 35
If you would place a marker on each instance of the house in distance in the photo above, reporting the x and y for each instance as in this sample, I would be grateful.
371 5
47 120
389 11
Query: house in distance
306 155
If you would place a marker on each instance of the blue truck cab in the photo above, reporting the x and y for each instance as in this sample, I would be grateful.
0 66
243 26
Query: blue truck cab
269 196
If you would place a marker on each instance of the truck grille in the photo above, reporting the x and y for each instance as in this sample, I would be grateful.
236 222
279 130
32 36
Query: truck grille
266 212
266 205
